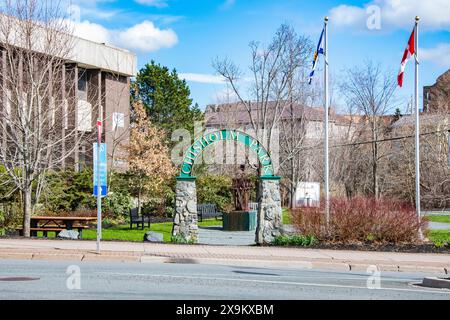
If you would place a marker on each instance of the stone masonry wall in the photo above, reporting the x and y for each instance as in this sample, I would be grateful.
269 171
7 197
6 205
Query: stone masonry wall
185 219
269 212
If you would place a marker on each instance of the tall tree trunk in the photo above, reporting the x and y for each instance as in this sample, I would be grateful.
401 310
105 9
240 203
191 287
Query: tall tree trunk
375 160
139 201
26 211
293 185
375 171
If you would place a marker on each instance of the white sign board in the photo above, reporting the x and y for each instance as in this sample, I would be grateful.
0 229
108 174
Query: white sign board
84 115
118 120
307 194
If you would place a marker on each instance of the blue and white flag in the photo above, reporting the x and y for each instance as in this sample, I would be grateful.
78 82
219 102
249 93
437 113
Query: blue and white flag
319 50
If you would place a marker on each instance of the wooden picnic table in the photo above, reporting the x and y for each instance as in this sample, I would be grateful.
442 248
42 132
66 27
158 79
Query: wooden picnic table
56 224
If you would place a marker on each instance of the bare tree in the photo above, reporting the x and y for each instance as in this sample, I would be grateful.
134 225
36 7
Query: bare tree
273 69
370 91
434 171
277 95
39 120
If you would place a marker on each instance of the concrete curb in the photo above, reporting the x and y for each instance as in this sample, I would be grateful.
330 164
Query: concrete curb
289 262
434 282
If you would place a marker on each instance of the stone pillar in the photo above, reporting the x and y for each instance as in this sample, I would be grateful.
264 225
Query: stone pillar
269 210
185 218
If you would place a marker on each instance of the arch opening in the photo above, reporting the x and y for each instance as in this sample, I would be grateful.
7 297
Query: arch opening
269 201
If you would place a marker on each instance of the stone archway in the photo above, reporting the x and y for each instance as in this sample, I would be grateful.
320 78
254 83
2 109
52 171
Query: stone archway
185 221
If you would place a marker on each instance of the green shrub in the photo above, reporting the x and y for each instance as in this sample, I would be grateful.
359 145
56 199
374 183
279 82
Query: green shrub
180 239
68 191
117 204
295 240
215 189
11 216
162 206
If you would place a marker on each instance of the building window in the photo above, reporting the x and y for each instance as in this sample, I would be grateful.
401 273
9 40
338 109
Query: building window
84 114
118 120
82 159
82 84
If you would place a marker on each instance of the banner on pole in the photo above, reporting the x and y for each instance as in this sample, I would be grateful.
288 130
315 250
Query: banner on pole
102 170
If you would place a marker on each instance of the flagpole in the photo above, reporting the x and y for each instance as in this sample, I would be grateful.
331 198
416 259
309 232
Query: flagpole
416 102
326 164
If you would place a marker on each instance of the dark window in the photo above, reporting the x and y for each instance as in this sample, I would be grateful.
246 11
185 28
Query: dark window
82 84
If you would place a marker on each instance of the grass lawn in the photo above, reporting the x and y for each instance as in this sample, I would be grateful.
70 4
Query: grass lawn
123 232
445 219
439 236
286 217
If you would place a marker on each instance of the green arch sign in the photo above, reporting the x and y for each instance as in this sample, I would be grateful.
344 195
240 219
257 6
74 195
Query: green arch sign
226 134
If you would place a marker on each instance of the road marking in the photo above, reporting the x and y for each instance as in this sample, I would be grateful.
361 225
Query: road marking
277 282
361 277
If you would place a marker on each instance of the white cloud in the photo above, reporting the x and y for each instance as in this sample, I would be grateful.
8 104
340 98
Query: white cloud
82 8
435 14
347 16
440 55
142 37
153 3
202 78
91 31
145 37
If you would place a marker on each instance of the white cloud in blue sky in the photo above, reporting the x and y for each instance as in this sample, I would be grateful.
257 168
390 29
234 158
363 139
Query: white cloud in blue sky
202 78
145 37
435 14
153 3
193 33
142 37
439 55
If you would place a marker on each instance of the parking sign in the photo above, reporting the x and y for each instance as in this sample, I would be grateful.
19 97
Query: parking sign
102 170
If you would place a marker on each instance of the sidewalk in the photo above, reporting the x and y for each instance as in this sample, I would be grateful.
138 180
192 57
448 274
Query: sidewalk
343 260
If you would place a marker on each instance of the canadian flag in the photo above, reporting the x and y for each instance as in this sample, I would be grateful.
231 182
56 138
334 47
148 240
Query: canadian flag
409 51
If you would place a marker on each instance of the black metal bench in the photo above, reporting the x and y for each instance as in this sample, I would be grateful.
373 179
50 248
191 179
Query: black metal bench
139 219
207 210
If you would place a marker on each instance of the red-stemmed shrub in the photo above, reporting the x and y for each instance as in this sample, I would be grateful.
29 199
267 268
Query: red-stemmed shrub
361 219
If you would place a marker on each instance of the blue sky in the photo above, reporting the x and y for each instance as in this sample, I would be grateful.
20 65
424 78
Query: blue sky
189 34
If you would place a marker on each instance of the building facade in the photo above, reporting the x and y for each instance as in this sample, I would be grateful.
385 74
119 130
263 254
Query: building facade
436 98
92 82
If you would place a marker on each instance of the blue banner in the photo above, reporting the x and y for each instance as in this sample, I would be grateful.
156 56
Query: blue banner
102 171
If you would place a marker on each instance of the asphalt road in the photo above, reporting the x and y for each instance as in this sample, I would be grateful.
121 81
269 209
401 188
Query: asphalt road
106 280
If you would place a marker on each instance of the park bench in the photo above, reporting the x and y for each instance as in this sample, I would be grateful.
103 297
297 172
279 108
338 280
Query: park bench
207 210
139 219
253 206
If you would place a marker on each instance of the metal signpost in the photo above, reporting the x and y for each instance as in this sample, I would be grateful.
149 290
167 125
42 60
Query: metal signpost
99 179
